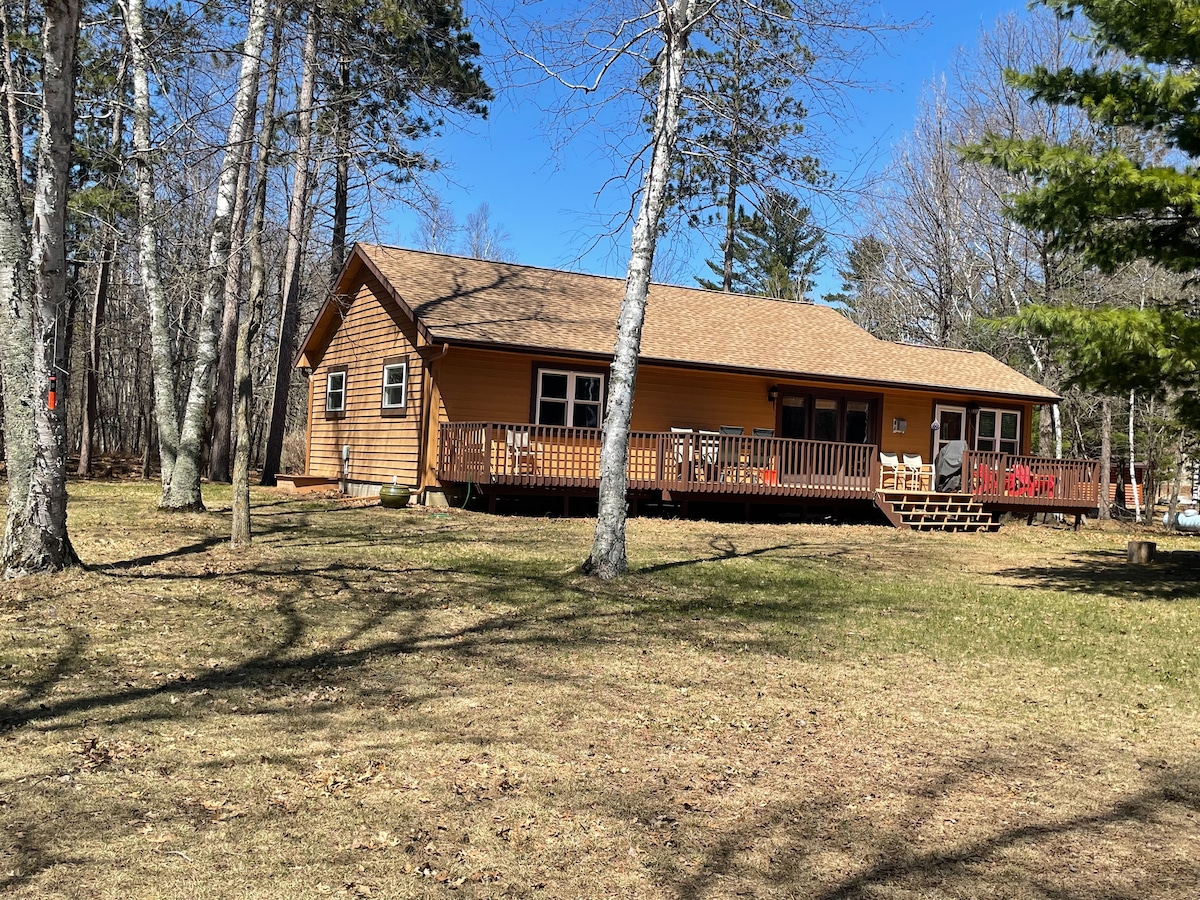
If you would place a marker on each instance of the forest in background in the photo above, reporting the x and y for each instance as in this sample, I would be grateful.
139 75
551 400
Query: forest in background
186 180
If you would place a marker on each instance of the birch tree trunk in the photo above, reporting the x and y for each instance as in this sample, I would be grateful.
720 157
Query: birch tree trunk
250 312
289 313
16 330
608 559
183 490
1137 503
13 129
1105 457
35 538
163 367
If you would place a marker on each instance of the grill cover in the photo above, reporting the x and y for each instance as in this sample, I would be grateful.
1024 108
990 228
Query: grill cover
947 468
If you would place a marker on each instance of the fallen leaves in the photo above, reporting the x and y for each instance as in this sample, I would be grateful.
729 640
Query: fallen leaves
96 753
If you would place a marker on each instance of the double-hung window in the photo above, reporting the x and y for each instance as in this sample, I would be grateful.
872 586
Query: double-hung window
569 398
395 385
998 431
335 391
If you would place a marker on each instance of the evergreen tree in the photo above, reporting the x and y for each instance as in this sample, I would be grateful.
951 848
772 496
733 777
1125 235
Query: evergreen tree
865 292
776 251
741 122
1121 204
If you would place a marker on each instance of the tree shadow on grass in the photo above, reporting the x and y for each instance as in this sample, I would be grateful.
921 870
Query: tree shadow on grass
490 607
286 659
995 860
27 858
724 549
1174 575
520 604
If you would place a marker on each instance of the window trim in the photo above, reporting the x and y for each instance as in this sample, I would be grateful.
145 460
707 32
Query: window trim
571 371
390 362
336 412
811 395
999 411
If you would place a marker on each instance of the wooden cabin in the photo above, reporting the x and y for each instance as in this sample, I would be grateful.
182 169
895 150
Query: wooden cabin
452 375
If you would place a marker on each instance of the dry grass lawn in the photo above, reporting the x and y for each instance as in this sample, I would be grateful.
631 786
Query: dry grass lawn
435 704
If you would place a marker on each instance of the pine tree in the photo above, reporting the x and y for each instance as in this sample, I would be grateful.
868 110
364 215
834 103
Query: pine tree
741 122
1121 204
776 252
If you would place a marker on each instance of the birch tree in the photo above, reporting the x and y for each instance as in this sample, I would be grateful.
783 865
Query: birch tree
33 291
634 55
674 26
181 430
250 312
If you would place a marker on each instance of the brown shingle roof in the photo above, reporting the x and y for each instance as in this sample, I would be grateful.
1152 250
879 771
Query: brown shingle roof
490 303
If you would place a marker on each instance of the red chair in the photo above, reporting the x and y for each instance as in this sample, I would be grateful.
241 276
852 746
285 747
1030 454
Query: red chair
985 481
1019 482
1043 486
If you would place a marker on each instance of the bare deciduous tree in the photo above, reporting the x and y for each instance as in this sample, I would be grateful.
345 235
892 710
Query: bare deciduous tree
181 433
484 240
34 298
643 49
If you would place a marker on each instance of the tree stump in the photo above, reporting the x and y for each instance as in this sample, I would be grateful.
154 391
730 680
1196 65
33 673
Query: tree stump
1141 553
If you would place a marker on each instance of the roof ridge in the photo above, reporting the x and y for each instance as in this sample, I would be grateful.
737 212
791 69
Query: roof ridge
929 346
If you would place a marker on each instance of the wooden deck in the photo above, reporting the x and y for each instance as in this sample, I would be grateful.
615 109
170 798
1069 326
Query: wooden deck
1032 484
737 468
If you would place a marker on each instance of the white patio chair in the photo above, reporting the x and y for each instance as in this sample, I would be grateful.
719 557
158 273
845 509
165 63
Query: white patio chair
889 471
520 453
918 476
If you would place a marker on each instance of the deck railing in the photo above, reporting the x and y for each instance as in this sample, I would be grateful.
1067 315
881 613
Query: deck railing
1032 481
705 463
690 463
686 462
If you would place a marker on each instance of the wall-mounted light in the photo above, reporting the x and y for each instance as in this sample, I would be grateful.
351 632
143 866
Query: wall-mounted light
773 393
899 426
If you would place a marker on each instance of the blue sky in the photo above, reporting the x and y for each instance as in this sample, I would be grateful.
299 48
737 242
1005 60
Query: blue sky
546 200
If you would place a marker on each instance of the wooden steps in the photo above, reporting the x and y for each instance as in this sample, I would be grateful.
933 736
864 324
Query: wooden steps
302 484
931 511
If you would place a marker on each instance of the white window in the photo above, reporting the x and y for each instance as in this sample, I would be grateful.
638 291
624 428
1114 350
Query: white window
395 385
335 391
569 398
998 431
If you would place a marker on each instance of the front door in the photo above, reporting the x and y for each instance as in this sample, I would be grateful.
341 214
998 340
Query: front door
952 426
